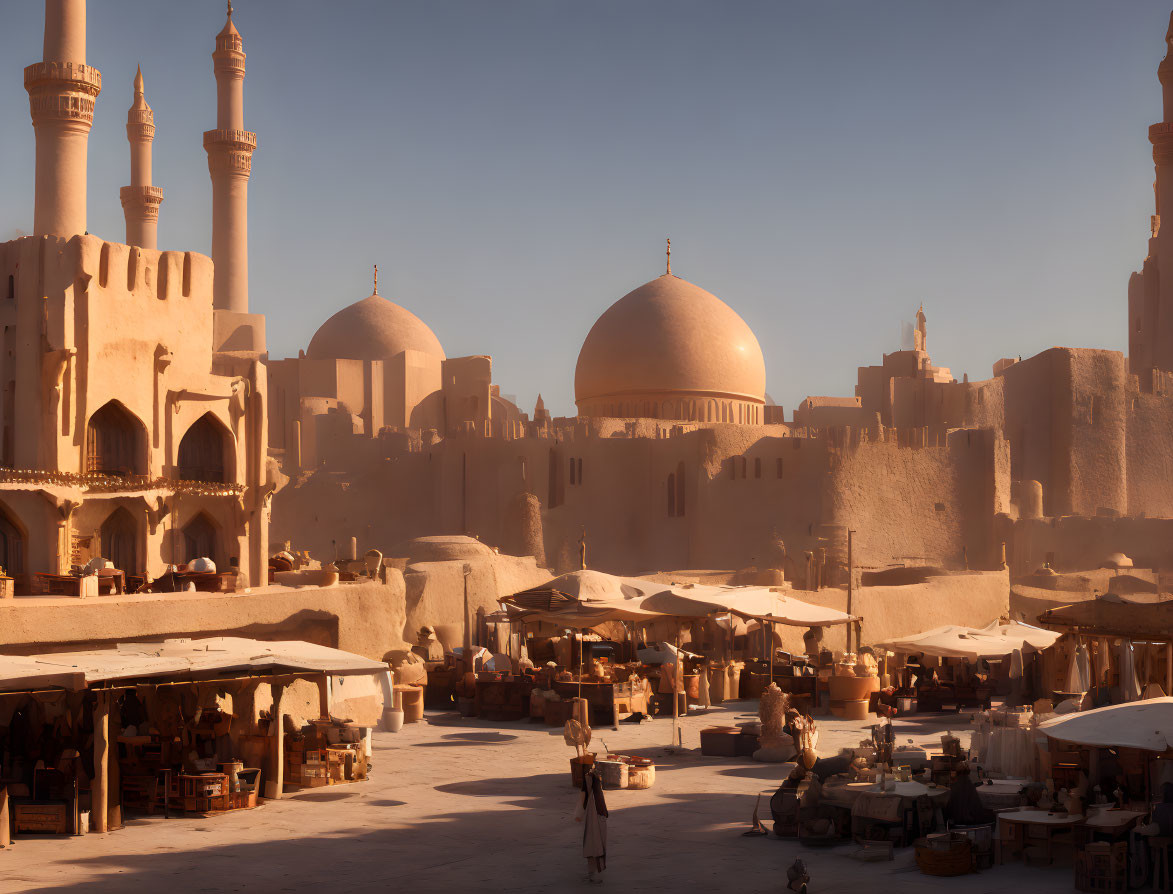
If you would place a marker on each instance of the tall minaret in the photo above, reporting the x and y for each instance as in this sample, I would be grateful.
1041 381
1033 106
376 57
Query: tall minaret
1158 314
62 90
230 150
141 200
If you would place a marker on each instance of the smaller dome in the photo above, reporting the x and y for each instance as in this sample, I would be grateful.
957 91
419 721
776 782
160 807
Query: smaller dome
373 329
442 548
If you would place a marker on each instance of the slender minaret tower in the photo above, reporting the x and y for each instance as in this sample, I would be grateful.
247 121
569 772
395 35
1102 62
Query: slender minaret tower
62 90
1158 315
141 200
230 150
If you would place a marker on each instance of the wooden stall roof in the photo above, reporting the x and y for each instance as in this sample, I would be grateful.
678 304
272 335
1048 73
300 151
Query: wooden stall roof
177 659
1140 616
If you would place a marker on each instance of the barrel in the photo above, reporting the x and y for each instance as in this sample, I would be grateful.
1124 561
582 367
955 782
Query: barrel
613 773
641 776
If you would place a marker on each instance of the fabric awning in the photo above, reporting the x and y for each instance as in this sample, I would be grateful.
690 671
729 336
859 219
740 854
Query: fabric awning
956 641
177 659
593 596
1146 725
1139 616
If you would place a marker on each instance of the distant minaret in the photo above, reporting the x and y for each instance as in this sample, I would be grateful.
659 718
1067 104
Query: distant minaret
141 200
230 150
62 90
1158 318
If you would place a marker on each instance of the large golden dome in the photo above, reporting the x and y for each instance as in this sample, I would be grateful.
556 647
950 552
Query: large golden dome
373 329
669 349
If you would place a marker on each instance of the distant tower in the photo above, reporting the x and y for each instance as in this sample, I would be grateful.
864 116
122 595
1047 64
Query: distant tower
921 336
230 150
1151 301
141 200
62 90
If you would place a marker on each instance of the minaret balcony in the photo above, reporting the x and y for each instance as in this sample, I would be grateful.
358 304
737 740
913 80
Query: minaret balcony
75 76
235 140
147 197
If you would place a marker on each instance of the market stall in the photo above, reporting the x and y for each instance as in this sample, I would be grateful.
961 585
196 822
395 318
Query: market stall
952 667
199 727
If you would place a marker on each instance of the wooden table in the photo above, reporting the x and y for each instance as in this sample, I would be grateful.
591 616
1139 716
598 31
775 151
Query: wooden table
905 794
612 698
1019 823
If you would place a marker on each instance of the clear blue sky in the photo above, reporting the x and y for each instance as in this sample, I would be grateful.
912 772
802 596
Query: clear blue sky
513 166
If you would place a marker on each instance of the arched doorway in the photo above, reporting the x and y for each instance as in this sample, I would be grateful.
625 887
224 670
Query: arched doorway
115 442
200 540
120 541
204 452
11 545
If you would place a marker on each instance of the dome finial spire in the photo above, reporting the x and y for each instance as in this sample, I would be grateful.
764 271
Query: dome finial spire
668 272
229 8
376 279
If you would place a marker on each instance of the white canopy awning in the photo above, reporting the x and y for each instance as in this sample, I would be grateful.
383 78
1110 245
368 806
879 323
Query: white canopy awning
594 597
177 659
955 641
1146 725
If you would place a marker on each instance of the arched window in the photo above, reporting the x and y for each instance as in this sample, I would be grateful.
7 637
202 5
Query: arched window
671 495
200 540
203 450
120 541
11 545
115 442
757 467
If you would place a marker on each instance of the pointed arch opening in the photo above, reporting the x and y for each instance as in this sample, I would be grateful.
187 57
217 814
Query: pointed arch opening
12 543
205 452
116 442
201 539
119 534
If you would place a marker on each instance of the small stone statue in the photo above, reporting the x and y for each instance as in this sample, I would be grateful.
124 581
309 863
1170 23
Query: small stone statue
774 745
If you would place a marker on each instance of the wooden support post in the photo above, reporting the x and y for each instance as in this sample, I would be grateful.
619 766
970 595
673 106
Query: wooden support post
100 784
276 769
114 789
324 696
1168 668
5 835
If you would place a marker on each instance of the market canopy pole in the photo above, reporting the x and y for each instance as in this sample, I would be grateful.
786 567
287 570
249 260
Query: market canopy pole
850 585
100 784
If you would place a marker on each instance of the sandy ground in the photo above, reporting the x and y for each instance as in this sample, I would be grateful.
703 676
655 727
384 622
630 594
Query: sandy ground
468 805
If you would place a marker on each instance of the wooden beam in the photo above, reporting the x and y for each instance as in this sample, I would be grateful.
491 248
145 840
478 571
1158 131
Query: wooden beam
100 784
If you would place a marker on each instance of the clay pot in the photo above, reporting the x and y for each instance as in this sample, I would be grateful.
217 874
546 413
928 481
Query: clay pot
393 720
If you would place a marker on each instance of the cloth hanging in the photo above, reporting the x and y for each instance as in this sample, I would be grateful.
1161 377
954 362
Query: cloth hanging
1129 687
1078 671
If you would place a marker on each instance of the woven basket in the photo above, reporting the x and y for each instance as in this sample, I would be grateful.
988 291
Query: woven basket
957 860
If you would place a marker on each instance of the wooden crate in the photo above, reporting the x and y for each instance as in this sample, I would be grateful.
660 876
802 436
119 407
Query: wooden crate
41 819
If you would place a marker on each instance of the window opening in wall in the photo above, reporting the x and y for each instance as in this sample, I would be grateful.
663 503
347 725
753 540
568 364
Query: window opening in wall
741 461
112 442
203 450
779 461
671 495
757 467
573 473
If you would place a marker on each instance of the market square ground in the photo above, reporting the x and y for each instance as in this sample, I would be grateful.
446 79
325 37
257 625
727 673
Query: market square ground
456 802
